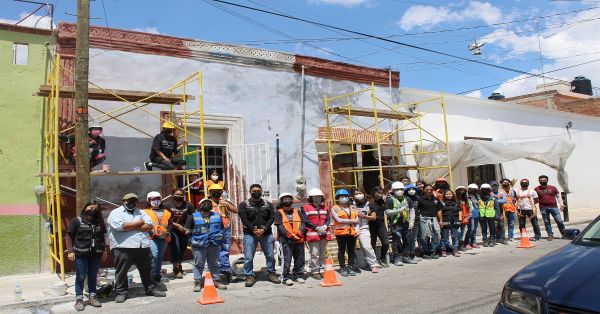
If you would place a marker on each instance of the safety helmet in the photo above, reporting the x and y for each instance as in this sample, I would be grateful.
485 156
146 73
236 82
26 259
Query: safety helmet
284 194
473 186
204 200
94 125
441 180
168 125
215 186
315 192
341 192
492 183
397 185
153 194
410 186
486 186
460 187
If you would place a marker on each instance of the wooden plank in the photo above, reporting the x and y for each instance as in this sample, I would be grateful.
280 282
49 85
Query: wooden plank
118 173
374 168
365 112
131 96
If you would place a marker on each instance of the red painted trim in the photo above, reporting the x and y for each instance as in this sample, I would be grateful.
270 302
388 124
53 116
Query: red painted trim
22 210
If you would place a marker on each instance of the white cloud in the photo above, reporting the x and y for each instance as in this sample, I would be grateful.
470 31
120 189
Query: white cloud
474 94
346 3
36 21
150 30
427 16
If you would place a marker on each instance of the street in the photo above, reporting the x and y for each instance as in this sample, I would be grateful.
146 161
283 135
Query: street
471 283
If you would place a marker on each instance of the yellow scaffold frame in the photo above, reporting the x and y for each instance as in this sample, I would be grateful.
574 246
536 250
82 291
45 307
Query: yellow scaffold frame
52 149
401 117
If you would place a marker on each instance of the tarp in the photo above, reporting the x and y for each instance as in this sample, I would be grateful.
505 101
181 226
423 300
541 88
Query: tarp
551 151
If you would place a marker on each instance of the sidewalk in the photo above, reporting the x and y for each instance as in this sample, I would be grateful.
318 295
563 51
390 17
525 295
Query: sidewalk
34 285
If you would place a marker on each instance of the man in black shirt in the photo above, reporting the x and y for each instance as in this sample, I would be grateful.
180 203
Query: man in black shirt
429 207
164 149
377 226
257 219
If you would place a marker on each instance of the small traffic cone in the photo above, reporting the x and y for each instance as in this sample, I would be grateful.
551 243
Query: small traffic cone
209 296
525 243
329 278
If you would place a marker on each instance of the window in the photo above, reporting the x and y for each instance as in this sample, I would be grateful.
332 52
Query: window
215 156
484 173
20 54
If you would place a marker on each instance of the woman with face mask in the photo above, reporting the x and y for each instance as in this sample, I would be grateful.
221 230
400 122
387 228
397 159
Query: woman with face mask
317 231
86 246
364 234
291 229
377 227
180 209
429 206
410 191
450 222
526 209
463 206
473 202
346 219
214 179
160 235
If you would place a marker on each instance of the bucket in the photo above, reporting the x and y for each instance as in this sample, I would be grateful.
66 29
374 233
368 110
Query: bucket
57 289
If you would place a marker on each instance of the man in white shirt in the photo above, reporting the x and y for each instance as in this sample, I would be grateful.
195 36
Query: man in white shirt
526 209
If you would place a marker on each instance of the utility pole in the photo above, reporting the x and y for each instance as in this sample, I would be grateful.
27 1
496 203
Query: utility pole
82 63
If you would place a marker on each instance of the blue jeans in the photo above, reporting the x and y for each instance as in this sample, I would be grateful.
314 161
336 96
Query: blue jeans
470 238
546 212
157 247
267 243
206 255
449 231
510 223
424 225
487 224
177 247
86 267
224 264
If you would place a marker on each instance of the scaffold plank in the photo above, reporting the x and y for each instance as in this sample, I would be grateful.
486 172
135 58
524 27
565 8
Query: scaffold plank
367 112
121 173
131 96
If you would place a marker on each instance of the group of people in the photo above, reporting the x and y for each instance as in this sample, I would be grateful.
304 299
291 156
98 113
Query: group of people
441 220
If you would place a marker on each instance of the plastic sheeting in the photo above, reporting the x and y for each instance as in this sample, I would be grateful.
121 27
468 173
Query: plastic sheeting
550 151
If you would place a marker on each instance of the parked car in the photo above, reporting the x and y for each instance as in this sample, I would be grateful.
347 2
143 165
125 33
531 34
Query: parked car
564 281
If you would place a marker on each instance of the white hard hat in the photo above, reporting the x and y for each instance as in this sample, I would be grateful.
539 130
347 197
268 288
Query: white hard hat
473 186
397 185
315 192
204 200
460 187
486 186
153 194
284 194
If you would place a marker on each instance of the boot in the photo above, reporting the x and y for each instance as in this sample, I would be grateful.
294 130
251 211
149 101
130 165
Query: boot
79 305
250 281
274 278
93 301
224 278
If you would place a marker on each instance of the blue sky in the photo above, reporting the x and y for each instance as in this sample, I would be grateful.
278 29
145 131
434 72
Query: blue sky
567 34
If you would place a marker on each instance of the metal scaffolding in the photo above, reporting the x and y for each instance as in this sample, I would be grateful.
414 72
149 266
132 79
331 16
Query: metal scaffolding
394 133
54 156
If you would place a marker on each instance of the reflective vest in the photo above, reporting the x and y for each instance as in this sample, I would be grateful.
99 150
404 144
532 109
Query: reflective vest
292 227
509 206
223 212
160 227
342 229
487 210
464 208
89 240
205 234
404 216
317 217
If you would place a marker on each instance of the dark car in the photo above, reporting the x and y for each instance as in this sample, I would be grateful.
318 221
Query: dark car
564 281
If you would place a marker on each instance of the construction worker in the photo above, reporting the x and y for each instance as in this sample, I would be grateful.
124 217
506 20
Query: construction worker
499 219
214 179
345 219
364 235
487 213
508 195
441 186
377 227
257 219
525 202
180 210
224 208
86 247
205 228
160 234
291 228
449 223
429 207
465 217
550 203
473 201
130 245
164 148
97 145
317 231
400 217
410 192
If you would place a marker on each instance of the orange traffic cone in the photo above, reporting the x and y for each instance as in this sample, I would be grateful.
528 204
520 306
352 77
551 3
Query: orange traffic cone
525 244
329 278
209 296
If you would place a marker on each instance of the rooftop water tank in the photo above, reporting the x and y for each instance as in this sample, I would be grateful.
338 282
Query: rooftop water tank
582 85
496 96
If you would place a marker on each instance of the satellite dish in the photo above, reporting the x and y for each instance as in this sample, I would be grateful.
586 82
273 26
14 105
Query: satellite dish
475 48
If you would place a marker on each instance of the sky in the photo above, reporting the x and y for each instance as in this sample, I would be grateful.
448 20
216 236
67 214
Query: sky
556 38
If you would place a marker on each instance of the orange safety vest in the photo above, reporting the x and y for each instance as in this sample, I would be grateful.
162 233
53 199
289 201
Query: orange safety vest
293 227
223 212
344 229
160 228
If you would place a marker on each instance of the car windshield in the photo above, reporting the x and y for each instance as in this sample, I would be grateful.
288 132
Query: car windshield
592 235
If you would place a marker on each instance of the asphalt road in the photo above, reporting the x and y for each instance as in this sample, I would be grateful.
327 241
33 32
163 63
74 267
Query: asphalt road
471 283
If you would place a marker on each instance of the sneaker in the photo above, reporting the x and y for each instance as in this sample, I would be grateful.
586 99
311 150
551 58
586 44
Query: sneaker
537 238
120 298
461 248
475 246
299 280
416 259
375 269
147 166
355 269
250 281
550 238
510 240
533 239
468 247
93 301
224 278
156 293
317 276
384 264
444 254
219 285
79 305
456 253
504 242
398 262
197 285
289 282
408 260
426 256
351 272
344 272
485 244
274 278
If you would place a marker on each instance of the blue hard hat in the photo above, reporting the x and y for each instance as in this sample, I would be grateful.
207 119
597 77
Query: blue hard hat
410 186
341 192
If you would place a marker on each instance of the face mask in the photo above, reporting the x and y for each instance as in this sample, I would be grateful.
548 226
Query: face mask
216 194
524 185
399 193
214 178
317 199
344 199
543 183
178 197
168 132
506 184
287 203
485 192
155 203
359 197
412 192
96 133
206 208
256 195
131 205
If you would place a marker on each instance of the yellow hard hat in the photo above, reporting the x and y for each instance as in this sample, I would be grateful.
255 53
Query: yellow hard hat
215 186
168 125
